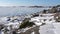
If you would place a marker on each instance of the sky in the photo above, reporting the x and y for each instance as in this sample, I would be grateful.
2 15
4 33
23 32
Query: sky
29 2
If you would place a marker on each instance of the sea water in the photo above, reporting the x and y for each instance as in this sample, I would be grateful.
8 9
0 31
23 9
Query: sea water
11 11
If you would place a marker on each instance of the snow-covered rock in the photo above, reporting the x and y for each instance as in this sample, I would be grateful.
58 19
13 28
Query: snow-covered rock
38 24
33 33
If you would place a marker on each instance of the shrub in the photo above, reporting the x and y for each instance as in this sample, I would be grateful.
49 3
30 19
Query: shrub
26 24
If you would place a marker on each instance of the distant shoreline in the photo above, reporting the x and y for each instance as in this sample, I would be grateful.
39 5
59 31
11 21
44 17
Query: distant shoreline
29 6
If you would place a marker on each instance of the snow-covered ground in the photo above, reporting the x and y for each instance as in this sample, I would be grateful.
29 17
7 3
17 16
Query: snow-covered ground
57 28
45 18
53 28
25 29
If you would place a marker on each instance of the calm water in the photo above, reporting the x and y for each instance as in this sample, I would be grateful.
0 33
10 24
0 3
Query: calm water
10 11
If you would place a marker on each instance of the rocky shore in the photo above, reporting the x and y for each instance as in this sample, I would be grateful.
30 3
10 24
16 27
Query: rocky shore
24 24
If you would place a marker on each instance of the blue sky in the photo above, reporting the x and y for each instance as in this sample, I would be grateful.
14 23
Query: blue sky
29 2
